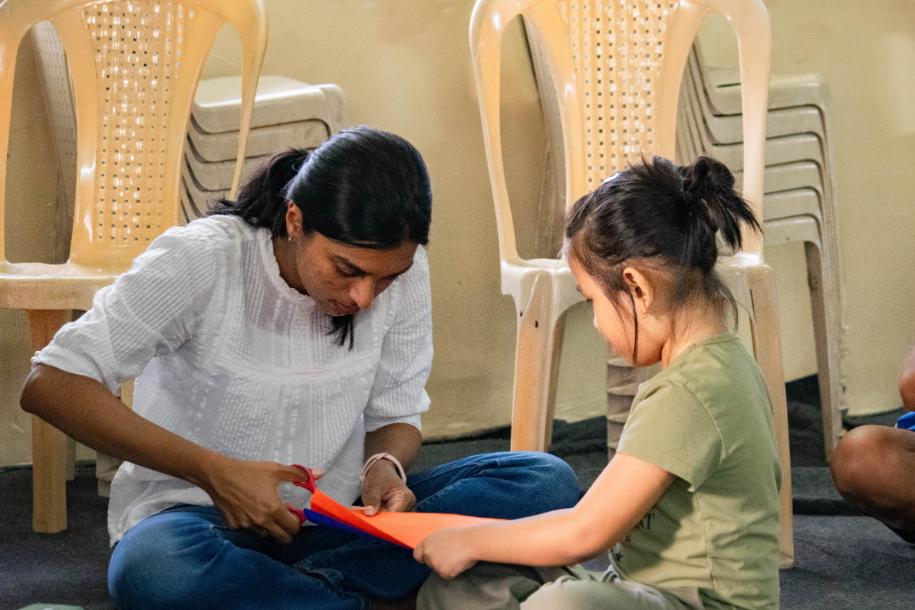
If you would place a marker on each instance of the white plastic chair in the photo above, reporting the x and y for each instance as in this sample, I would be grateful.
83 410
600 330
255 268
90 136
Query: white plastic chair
133 66
616 68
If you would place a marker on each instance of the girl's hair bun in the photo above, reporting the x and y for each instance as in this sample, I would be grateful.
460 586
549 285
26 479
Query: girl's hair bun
709 184
706 176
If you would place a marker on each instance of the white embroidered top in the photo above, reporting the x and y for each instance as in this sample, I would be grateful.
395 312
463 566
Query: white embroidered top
229 356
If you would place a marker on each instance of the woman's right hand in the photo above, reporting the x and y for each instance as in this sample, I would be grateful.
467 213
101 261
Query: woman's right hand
245 493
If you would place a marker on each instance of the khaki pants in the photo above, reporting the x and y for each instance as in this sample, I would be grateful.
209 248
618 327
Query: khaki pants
489 586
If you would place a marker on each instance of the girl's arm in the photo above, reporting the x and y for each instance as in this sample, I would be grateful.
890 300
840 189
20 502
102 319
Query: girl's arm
245 492
619 498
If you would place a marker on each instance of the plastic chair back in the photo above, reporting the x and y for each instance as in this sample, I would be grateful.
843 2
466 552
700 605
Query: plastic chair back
617 68
134 65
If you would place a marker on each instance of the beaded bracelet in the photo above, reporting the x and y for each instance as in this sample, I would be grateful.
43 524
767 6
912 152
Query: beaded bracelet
383 456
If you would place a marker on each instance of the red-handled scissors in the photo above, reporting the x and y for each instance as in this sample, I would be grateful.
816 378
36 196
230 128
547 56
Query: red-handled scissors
307 484
318 497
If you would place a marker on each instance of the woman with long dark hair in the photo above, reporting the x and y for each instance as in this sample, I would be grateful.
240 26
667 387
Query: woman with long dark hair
291 326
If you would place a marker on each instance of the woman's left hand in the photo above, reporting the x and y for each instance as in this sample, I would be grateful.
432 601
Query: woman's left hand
448 552
383 489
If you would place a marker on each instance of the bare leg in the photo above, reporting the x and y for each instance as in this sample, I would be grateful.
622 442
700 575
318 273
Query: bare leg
874 469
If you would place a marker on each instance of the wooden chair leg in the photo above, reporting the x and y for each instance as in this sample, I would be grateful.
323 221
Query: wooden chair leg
826 328
49 445
536 367
768 352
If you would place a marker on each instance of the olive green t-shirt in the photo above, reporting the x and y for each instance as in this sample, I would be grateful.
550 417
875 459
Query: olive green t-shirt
707 420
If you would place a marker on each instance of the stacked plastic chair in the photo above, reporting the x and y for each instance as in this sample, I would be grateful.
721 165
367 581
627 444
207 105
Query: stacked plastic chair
798 203
287 113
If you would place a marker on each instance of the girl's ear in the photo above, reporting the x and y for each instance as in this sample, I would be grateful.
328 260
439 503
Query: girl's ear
641 288
293 220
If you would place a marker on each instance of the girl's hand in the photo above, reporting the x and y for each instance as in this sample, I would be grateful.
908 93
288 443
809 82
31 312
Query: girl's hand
245 493
448 552
383 489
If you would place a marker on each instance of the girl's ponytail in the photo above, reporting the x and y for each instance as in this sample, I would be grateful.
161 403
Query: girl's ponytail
262 198
708 189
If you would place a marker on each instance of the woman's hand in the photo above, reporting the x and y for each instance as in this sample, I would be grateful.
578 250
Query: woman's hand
245 493
383 489
449 552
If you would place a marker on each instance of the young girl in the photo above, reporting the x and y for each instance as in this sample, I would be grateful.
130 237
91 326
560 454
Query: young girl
689 503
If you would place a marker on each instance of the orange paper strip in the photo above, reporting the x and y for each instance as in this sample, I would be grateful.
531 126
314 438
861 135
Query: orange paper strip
405 529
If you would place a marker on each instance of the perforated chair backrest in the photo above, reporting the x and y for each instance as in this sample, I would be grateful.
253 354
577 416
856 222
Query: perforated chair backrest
134 66
616 67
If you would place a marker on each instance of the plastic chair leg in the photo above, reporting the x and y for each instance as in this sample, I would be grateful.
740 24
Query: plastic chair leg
105 469
105 465
49 445
49 478
825 330
768 352
536 368
70 458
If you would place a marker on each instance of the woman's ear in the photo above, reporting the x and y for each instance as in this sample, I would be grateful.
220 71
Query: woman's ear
293 220
641 288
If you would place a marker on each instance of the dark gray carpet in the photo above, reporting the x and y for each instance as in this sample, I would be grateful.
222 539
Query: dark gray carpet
844 560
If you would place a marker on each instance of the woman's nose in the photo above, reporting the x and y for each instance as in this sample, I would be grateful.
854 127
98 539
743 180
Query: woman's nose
362 292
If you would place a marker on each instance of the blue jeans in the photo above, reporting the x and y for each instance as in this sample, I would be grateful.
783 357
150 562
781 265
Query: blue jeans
186 557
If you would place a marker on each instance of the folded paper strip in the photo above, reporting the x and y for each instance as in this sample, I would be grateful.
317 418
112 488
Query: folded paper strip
404 529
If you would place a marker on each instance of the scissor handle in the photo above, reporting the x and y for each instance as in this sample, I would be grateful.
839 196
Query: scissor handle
309 482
